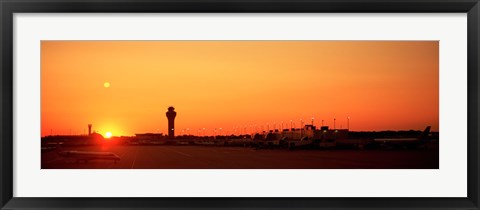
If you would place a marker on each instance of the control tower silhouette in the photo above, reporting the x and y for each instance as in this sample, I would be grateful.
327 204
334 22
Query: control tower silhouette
89 129
171 122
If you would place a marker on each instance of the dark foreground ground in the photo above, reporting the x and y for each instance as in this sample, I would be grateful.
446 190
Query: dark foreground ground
212 157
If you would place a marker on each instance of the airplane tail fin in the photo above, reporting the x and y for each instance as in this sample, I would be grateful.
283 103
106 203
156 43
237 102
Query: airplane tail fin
424 135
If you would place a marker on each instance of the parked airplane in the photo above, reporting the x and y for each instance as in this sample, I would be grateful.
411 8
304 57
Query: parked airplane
405 142
86 156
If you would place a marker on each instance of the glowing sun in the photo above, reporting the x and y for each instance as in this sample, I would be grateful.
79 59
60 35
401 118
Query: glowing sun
106 84
108 134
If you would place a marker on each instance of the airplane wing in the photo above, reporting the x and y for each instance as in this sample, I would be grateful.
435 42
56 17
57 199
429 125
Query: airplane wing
86 156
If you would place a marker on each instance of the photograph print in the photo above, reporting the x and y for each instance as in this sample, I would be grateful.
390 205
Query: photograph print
239 104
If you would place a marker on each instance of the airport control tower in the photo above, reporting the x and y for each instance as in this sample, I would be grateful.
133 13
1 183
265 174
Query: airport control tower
171 122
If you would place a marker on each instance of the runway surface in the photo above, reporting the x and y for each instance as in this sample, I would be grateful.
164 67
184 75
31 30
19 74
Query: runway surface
216 157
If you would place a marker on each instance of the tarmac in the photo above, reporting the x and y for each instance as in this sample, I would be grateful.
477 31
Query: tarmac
220 157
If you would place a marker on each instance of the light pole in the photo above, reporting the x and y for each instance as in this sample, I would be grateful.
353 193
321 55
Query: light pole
291 121
312 121
348 123
294 128
334 119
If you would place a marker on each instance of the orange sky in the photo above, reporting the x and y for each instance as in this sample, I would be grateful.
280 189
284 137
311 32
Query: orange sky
226 84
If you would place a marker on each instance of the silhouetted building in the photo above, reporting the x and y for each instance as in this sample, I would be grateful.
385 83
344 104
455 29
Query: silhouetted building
75 140
171 114
148 138
311 132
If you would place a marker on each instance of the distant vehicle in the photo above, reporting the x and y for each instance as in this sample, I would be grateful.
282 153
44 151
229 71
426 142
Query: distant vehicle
303 143
273 140
409 143
267 141
87 156
239 142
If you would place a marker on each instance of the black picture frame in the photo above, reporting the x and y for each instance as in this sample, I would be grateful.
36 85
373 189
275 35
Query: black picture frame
9 7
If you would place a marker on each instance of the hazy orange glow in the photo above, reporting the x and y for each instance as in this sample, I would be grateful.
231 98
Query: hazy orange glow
125 87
